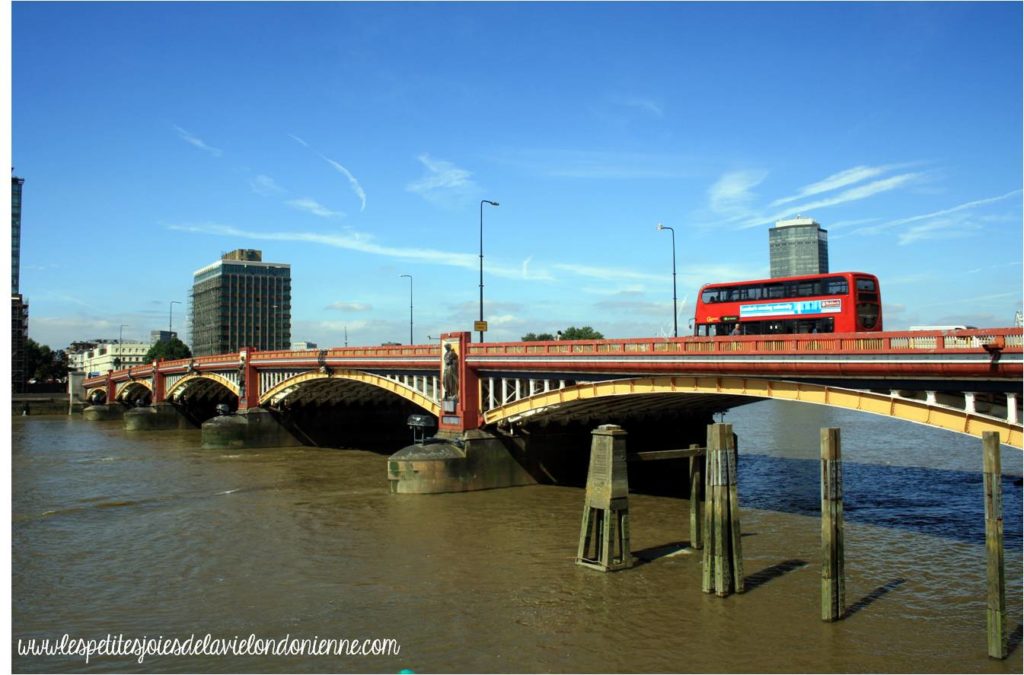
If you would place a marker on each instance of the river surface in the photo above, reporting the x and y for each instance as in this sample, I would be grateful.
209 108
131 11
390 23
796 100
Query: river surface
146 534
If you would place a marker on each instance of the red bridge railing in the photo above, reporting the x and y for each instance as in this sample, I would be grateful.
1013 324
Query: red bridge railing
990 340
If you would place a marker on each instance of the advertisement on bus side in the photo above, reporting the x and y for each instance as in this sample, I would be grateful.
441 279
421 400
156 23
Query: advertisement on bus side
831 306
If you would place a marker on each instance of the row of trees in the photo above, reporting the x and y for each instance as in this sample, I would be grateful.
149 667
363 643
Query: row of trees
43 364
570 333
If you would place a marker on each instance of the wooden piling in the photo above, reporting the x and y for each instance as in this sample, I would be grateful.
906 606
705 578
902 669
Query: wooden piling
734 513
723 551
696 498
996 610
833 573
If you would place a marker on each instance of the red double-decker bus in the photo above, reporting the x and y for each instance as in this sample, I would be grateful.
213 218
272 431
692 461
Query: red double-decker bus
840 302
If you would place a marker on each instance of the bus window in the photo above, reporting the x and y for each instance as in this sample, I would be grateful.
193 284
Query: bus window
836 286
867 314
709 296
806 289
866 284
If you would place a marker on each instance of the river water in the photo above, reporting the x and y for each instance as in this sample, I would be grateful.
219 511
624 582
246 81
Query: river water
146 534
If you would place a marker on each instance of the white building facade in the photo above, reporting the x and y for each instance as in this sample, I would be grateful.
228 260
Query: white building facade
105 356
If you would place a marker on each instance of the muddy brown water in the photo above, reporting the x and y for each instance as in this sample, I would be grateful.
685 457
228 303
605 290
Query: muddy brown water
147 534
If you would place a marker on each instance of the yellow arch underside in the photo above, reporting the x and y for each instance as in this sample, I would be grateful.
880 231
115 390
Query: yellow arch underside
869 402
356 376
124 386
184 381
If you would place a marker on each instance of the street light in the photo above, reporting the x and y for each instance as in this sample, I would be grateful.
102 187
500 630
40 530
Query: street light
482 202
170 316
120 341
675 311
410 305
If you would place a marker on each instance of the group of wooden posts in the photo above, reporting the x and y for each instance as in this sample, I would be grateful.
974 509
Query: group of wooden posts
715 518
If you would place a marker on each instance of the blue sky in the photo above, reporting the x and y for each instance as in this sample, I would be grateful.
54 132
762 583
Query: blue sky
355 142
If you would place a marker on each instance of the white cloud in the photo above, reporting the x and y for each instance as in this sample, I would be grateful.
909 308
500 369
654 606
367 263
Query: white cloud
941 228
834 182
342 306
731 194
534 275
197 142
962 207
609 273
443 181
348 240
353 183
314 207
645 104
851 195
265 185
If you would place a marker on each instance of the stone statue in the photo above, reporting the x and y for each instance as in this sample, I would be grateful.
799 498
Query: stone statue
450 376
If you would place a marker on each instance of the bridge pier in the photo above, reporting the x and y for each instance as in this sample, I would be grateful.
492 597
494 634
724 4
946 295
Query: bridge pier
249 428
473 460
156 417
102 412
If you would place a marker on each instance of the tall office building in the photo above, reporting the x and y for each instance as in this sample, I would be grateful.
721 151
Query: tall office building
16 184
19 308
240 301
798 246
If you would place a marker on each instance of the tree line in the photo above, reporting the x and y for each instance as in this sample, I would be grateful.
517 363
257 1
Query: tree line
570 333
43 364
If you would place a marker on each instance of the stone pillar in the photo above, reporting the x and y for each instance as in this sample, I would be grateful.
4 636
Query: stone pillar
75 391
156 417
475 460
111 388
159 384
248 381
606 510
460 387
106 411
250 428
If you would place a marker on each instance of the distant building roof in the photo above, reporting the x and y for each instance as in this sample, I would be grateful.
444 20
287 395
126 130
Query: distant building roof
799 220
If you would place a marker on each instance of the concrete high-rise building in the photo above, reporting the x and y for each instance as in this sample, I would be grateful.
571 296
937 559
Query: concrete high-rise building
19 340
240 301
16 184
798 246
19 308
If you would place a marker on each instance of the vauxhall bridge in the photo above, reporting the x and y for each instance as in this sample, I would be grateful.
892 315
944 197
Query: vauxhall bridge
966 381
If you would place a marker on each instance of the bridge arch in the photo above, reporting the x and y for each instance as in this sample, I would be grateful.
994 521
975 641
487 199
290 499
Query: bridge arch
740 388
92 391
315 379
133 389
193 381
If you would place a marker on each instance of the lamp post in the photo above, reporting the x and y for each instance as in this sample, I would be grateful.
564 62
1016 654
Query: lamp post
170 316
482 202
120 341
410 305
675 311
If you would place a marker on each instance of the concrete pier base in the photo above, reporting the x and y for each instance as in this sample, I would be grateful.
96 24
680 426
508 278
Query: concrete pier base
254 428
96 413
476 461
156 417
